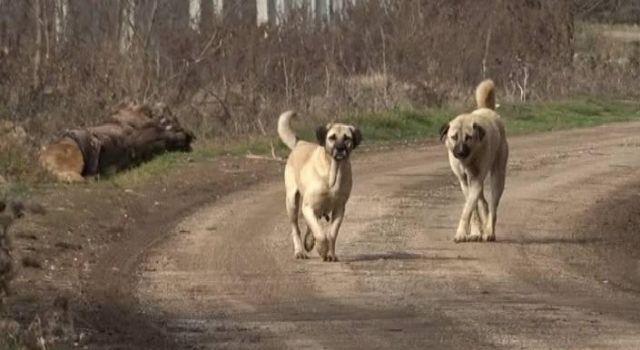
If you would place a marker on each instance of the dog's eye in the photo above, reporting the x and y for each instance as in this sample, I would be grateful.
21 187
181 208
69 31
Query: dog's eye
332 137
454 137
467 138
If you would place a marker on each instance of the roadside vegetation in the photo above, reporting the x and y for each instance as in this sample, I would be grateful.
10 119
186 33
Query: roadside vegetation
378 127
404 125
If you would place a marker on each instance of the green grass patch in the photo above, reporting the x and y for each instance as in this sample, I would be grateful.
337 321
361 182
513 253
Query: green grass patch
520 118
400 124
260 145
574 113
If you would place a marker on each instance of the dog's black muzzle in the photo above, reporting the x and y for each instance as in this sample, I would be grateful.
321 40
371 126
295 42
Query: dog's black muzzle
340 151
461 151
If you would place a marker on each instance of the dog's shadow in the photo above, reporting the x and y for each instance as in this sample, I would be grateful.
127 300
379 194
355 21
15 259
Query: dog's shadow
550 241
399 256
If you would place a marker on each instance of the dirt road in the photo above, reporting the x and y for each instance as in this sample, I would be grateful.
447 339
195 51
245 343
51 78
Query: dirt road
564 274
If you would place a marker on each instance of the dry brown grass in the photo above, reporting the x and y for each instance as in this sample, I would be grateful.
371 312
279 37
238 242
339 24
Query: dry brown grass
236 77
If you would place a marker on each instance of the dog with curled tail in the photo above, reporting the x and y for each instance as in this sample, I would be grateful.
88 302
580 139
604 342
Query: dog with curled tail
477 147
318 183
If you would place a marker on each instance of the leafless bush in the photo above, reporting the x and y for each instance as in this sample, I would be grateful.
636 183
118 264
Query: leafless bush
231 76
17 153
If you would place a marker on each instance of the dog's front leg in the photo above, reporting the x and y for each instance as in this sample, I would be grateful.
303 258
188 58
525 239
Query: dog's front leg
476 231
479 217
293 210
473 193
314 224
336 221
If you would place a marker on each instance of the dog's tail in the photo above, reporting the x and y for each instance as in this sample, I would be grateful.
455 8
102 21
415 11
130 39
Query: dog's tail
284 129
485 94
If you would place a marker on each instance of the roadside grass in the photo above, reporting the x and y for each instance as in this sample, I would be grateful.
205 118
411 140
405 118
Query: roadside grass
408 125
256 145
569 114
520 118
398 125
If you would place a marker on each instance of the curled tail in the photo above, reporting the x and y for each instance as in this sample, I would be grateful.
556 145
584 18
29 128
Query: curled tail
284 129
485 94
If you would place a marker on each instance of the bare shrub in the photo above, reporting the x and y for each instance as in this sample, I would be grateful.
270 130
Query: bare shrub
18 153
230 76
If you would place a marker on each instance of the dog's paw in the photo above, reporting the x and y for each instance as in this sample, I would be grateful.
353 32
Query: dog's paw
330 258
489 238
476 230
301 256
474 237
460 237
323 248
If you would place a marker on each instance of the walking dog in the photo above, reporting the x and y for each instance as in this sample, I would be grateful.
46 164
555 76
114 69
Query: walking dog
477 148
318 182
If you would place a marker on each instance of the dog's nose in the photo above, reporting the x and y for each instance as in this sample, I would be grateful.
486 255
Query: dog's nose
461 151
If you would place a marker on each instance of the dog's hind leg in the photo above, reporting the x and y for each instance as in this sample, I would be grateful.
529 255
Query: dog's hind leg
316 229
479 219
475 233
336 221
293 209
309 240
470 205
497 188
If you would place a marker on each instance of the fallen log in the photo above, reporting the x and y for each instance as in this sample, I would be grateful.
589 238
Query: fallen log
133 134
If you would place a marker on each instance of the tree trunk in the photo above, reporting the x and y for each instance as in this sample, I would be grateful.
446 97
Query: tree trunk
3 28
60 15
218 8
127 24
132 135
195 14
37 55
262 10
46 30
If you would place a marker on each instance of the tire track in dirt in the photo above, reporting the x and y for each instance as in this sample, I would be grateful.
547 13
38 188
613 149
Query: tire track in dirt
227 278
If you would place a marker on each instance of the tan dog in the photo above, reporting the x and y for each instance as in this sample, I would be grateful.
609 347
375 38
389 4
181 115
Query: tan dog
318 182
478 148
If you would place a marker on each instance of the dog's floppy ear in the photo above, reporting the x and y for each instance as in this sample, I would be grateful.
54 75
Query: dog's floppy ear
321 134
357 136
443 131
479 131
